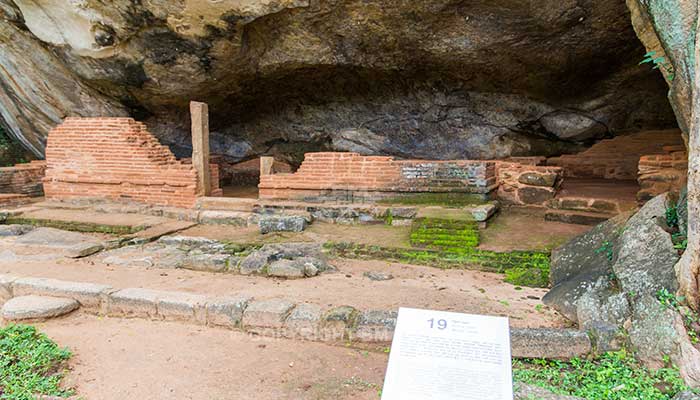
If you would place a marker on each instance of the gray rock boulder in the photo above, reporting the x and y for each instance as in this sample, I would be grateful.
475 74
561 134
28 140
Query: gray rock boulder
686 395
580 263
646 258
15 230
288 260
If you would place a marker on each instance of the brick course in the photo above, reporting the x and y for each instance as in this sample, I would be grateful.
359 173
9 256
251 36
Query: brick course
332 174
23 179
660 173
117 159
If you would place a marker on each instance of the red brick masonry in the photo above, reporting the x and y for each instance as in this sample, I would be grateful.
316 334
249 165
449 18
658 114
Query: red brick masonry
24 179
118 159
325 175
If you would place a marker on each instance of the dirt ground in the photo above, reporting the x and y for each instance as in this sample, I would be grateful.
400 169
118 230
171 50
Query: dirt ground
413 286
147 360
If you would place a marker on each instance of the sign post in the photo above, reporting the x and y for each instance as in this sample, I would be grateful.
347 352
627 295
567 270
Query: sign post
441 355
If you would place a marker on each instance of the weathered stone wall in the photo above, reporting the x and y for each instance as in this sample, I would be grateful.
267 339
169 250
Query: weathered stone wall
118 159
23 179
527 184
616 158
661 173
333 175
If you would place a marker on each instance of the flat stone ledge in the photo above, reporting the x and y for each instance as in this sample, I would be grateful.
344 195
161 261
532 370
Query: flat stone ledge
89 295
6 292
549 343
182 306
37 307
133 302
304 322
266 314
227 311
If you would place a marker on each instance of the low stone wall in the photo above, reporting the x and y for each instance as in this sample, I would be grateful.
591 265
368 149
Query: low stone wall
523 184
348 176
24 179
661 173
116 158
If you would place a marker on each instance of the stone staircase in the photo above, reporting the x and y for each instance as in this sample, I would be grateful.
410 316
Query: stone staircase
590 202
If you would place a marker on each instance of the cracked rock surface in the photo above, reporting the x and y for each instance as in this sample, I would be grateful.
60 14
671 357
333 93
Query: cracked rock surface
438 79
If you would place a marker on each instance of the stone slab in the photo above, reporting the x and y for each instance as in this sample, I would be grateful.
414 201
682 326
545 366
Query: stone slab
37 307
266 314
89 295
69 244
182 306
562 344
576 217
375 326
134 302
227 311
304 322
6 291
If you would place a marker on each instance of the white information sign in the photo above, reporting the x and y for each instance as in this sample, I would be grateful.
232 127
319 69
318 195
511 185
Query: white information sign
441 355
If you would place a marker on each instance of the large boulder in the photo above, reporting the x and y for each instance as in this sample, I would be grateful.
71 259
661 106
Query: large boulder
438 79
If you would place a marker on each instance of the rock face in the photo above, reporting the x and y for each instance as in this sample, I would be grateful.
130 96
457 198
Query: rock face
612 278
426 79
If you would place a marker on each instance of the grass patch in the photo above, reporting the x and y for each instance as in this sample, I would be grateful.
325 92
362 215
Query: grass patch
30 364
452 258
436 199
612 376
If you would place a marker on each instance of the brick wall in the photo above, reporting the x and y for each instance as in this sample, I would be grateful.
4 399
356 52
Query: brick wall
338 175
660 173
24 179
117 159
527 184
616 158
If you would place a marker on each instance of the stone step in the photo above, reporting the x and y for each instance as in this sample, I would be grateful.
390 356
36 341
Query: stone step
37 307
226 204
576 217
591 204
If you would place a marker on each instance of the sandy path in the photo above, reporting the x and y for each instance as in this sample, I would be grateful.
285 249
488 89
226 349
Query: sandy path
145 360
413 286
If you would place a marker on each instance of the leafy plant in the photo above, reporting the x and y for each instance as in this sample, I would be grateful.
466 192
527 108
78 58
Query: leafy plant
30 364
691 320
607 248
612 376
659 62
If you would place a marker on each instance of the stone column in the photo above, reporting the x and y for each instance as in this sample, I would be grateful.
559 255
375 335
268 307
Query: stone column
200 146
266 165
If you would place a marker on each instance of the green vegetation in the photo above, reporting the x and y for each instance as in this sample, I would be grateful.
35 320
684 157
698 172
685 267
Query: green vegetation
660 63
607 248
691 320
465 258
444 234
528 276
612 376
437 199
30 364
10 152
680 241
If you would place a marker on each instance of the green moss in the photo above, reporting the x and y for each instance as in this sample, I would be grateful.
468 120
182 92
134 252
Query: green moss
88 227
458 258
531 277
442 234
437 199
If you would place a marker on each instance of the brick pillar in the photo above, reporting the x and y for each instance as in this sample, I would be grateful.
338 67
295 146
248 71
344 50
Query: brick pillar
200 146
266 165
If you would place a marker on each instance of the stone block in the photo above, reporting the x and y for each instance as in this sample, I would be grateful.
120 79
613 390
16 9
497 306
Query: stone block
6 291
234 218
549 343
37 307
133 302
89 295
337 322
546 179
181 306
266 315
227 311
535 195
286 269
282 223
304 322
375 326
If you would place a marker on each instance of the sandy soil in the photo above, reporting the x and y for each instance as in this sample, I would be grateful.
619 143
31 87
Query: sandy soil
146 360
413 286
526 229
